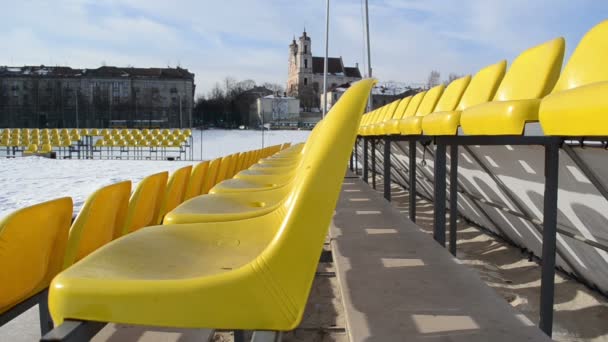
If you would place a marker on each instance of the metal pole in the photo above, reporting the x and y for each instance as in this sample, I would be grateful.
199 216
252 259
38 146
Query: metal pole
369 55
365 158
325 61
374 163
412 179
387 169
179 97
357 156
547 284
453 196
77 97
439 224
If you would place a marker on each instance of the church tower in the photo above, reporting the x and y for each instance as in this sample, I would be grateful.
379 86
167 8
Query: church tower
300 65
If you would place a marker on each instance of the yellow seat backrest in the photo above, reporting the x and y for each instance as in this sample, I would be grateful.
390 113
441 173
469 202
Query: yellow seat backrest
390 112
587 64
452 94
483 85
533 73
175 192
237 164
211 177
232 165
223 168
400 111
195 184
145 203
32 245
429 101
413 105
103 213
309 207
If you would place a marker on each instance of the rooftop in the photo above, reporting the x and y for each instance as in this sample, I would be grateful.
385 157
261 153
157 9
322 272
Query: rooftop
104 71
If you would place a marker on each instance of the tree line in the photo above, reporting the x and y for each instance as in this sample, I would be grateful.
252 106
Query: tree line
228 102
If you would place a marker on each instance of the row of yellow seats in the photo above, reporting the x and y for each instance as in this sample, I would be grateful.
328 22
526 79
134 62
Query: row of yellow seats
142 142
247 263
499 102
13 132
37 242
125 131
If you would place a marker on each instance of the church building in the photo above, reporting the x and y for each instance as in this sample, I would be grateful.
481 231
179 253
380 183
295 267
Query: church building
305 79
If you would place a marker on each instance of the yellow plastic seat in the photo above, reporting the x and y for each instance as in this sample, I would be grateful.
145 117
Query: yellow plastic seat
32 246
195 184
399 112
481 89
219 207
375 128
145 203
413 124
531 76
210 179
392 127
175 192
31 149
225 166
578 104
223 275
97 223
46 148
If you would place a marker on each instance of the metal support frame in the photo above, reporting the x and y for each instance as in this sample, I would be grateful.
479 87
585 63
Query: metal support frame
547 283
551 145
365 161
412 180
587 171
40 299
239 336
439 195
453 197
266 336
74 331
387 169
374 163
357 156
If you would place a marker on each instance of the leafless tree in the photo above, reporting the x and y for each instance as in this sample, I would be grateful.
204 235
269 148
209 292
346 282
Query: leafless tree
434 79
451 77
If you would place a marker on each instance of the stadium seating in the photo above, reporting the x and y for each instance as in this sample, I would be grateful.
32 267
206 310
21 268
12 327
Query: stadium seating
226 275
175 192
100 218
145 203
32 247
195 184
578 104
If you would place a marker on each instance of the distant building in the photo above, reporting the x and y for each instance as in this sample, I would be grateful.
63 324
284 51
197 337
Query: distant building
245 104
305 80
381 93
278 111
39 96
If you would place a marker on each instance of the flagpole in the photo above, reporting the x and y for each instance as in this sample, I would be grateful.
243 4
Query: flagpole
326 54
369 55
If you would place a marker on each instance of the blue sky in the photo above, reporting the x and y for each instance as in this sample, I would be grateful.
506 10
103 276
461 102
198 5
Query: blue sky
250 38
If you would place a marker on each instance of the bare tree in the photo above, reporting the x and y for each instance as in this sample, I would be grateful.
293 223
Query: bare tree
275 87
452 77
433 79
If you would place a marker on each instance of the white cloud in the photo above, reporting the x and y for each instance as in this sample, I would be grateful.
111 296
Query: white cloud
250 38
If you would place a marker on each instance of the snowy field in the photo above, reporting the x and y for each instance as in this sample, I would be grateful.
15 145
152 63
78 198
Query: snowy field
27 181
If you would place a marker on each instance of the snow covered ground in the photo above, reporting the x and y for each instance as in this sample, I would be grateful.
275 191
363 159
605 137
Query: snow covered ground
26 181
